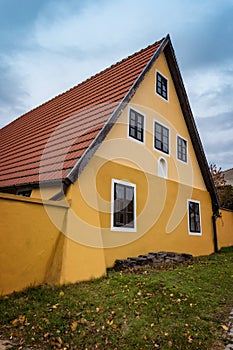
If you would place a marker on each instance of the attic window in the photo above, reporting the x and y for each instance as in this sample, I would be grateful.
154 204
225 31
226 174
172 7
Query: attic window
161 86
136 125
194 217
182 149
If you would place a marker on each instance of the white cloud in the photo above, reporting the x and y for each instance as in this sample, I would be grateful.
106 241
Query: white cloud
211 91
94 27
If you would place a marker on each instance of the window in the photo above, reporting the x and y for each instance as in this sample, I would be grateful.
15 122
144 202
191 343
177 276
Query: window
181 149
161 86
24 193
162 167
136 125
194 217
161 141
123 206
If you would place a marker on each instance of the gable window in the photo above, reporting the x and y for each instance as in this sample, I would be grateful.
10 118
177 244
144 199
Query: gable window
161 140
194 217
161 86
136 125
181 149
123 206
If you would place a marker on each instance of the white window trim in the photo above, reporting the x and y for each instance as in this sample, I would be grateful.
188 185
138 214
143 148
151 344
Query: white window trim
194 233
179 160
164 99
122 229
167 127
165 175
144 126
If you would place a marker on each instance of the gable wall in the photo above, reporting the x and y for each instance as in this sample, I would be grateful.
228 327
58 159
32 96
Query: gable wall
162 222
147 102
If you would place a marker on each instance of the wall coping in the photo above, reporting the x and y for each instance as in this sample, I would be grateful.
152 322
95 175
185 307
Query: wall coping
12 197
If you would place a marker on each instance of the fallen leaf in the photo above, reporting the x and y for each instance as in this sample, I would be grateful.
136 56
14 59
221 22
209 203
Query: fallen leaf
21 319
83 320
15 322
74 326
224 327
59 340
190 340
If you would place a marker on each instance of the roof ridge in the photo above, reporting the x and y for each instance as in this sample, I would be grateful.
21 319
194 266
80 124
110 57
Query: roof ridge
224 171
86 80
118 62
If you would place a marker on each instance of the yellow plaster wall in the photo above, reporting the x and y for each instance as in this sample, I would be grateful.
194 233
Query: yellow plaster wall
31 246
225 228
36 246
162 222
81 262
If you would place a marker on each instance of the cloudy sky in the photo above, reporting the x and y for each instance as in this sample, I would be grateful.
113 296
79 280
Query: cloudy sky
48 46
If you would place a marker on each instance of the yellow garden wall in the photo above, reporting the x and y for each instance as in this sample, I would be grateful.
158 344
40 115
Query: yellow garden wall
31 250
36 247
225 228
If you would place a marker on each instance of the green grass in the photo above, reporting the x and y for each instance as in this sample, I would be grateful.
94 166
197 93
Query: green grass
182 307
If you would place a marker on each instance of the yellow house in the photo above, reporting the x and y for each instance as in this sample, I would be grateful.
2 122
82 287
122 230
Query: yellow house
115 166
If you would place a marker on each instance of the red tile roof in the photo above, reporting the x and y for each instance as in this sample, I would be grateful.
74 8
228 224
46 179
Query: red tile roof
47 142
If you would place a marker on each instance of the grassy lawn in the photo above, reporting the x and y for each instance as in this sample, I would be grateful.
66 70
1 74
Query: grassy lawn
182 307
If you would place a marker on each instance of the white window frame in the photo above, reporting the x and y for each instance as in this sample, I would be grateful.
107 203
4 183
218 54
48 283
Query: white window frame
122 228
163 98
180 160
190 232
167 127
144 126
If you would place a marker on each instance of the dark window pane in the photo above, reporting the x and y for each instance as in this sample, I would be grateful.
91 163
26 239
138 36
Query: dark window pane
123 205
161 138
181 149
136 125
194 217
161 85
